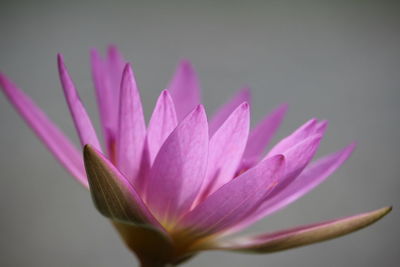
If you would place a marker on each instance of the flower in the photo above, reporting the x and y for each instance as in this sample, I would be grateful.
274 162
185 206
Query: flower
183 185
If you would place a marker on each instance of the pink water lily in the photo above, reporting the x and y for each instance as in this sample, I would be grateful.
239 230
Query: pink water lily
182 184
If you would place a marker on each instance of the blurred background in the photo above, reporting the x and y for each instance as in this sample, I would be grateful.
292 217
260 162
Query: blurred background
338 60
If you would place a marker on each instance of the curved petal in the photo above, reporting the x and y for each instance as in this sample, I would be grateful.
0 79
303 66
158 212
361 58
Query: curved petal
107 76
58 144
226 149
104 96
309 128
112 193
83 124
185 89
179 168
163 121
298 156
261 135
116 65
303 235
223 113
234 200
312 176
131 127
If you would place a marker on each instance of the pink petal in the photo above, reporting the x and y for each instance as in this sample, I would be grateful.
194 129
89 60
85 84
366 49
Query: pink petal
234 200
226 149
179 168
321 127
309 128
223 113
298 156
107 108
115 68
82 122
112 193
185 89
131 127
58 144
261 135
163 121
303 235
311 177
107 76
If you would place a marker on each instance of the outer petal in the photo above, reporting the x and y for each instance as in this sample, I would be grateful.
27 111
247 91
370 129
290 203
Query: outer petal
311 177
131 127
233 201
226 149
83 124
179 168
58 144
223 113
112 194
261 135
163 121
303 235
185 89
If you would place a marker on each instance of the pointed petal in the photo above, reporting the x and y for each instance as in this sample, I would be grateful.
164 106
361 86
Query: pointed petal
58 144
104 97
298 156
226 149
185 89
131 127
304 131
321 127
312 176
112 194
234 200
223 113
303 235
163 121
83 124
116 66
261 135
179 168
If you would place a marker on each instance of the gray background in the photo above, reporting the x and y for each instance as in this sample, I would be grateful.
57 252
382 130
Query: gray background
335 60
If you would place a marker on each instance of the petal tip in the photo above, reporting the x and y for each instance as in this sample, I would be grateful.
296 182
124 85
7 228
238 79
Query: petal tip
165 93
60 59
280 159
62 68
200 109
113 50
353 145
88 152
385 210
3 80
127 68
245 106
185 64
